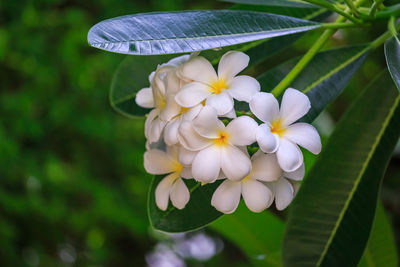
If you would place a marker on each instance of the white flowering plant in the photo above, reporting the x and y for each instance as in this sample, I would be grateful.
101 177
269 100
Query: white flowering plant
216 133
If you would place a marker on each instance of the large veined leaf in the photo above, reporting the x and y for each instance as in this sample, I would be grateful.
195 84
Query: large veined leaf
330 219
323 79
258 235
132 74
175 220
381 247
392 53
290 3
188 31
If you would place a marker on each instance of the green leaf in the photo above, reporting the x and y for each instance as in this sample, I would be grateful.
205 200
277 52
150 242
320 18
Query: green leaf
258 235
323 79
290 3
330 220
188 219
188 31
381 247
392 53
131 76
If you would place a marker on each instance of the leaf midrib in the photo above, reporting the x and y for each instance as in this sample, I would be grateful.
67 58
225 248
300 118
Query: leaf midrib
357 181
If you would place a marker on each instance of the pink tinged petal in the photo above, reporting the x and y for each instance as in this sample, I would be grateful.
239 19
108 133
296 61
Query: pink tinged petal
294 106
289 155
304 135
265 167
179 194
207 164
227 196
198 69
163 191
267 141
192 113
222 102
296 175
264 106
186 173
158 162
243 88
235 164
284 194
242 131
190 139
256 195
186 156
144 98
207 123
232 63
231 114
192 94
171 132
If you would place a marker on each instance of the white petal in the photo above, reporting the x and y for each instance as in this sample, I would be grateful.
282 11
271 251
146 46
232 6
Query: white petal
150 117
171 108
179 194
231 114
265 167
242 131
198 69
304 135
227 196
192 113
186 172
264 106
154 130
296 175
190 139
186 156
158 162
144 98
173 152
192 94
267 141
163 190
222 102
172 82
232 63
256 195
207 164
235 164
289 155
171 132
177 61
207 123
294 105
243 88
283 194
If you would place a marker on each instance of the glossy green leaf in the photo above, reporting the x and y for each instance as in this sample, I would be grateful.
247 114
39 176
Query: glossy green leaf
197 213
323 79
280 3
188 31
258 235
330 219
392 53
381 247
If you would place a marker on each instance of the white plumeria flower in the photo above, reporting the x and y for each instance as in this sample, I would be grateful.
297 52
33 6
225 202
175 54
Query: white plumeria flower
219 90
218 145
172 186
161 96
278 133
256 195
284 185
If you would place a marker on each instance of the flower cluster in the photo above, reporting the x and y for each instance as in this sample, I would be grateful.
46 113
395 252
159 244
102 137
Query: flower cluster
193 132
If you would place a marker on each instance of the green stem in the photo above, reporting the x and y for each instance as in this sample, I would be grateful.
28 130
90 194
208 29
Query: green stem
332 7
342 25
352 7
375 7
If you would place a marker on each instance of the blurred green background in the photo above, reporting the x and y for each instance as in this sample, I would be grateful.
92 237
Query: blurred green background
73 190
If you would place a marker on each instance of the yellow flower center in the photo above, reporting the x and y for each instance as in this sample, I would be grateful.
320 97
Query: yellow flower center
222 139
184 110
218 86
246 178
276 127
178 167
